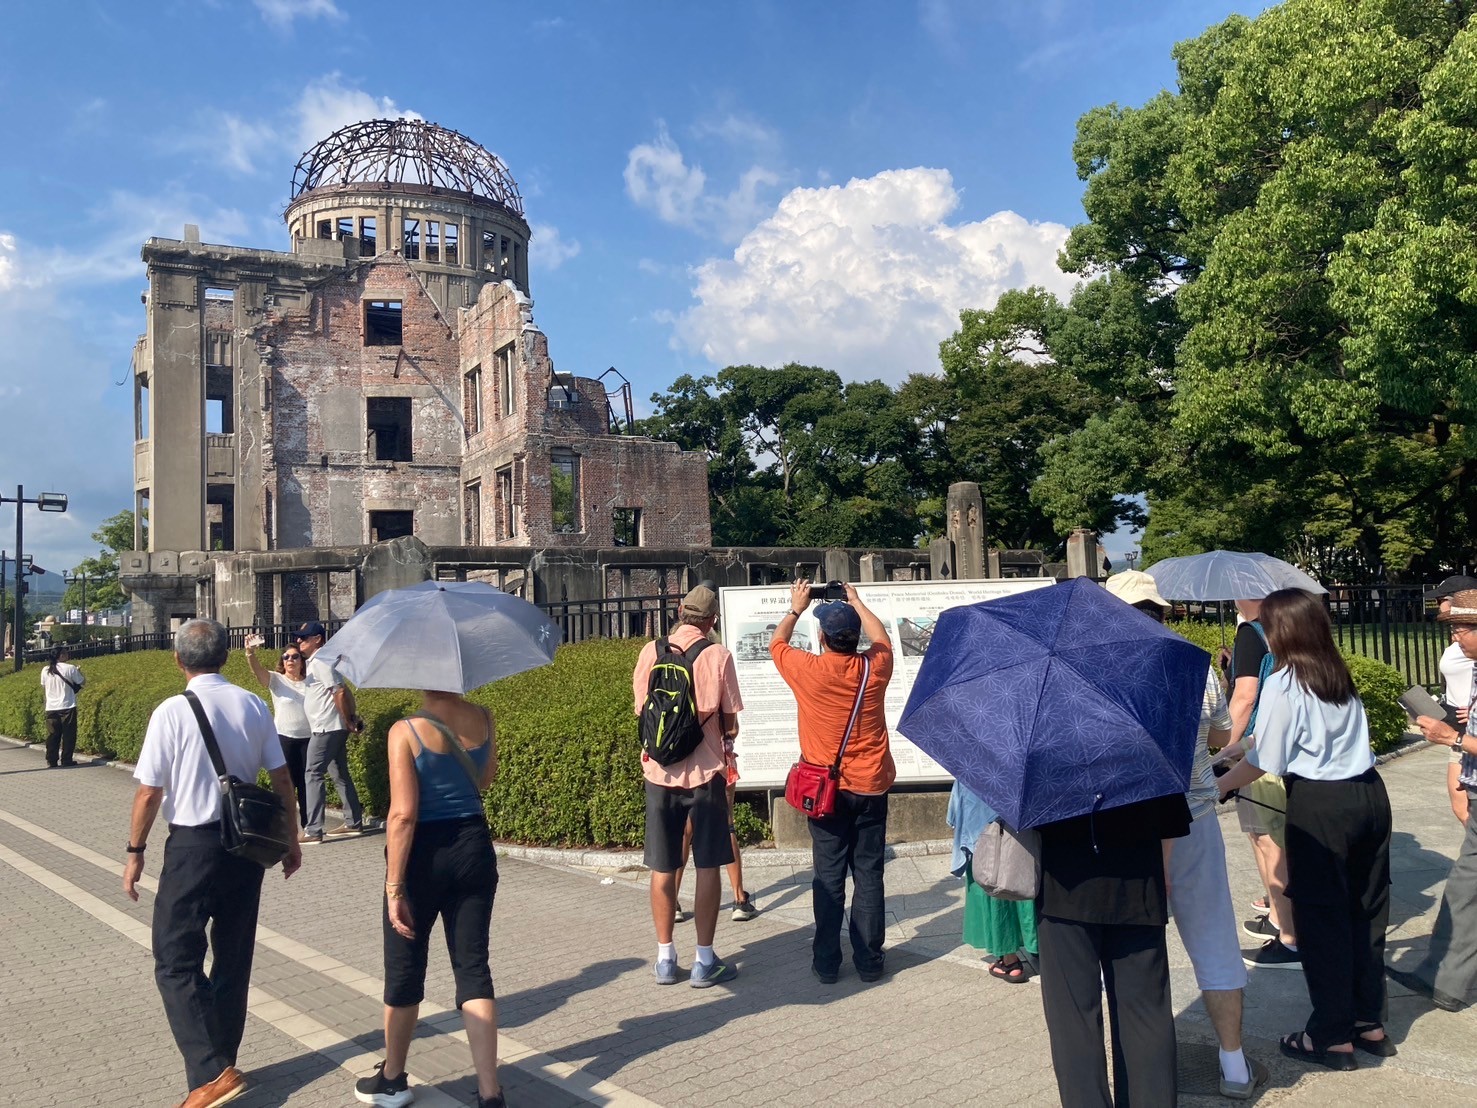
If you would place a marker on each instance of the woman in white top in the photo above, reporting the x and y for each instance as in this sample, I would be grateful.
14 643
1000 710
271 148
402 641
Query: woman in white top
287 687
1311 729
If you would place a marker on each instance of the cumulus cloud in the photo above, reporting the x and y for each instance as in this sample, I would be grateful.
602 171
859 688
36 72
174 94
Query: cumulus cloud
328 104
659 179
864 278
8 275
283 13
549 249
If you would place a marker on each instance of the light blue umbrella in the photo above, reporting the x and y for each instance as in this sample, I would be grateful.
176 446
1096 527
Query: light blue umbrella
450 636
1228 575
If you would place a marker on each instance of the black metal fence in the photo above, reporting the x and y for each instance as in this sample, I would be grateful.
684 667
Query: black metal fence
1394 624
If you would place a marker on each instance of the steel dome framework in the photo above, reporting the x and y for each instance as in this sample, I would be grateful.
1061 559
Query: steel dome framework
388 152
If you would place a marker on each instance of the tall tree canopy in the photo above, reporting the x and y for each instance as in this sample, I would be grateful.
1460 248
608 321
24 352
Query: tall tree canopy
103 590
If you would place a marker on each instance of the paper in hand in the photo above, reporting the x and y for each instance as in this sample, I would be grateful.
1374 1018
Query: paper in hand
1418 702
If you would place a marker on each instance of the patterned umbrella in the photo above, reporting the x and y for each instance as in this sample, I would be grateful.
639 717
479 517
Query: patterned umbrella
1059 701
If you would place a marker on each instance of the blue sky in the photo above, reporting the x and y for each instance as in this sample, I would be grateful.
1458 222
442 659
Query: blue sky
707 183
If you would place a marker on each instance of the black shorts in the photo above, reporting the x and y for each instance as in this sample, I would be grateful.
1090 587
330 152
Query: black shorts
452 873
667 811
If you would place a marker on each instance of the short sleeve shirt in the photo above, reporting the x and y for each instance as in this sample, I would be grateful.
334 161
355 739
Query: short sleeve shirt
1214 713
715 686
319 681
825 692
288 707
59 695
174 757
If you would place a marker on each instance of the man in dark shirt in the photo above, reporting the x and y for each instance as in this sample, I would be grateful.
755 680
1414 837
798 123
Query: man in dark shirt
1104 909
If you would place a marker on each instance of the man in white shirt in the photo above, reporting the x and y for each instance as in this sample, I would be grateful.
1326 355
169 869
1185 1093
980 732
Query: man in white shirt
1456 681
332 714
199 883
61 682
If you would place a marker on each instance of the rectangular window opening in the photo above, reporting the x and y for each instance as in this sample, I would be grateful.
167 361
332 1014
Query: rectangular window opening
325 228
410 241
141 519
451 233
508 511
140 407
472 400
489 251
368 239
384 526
382 323
472 508
220 517
507 393
433 241
564 492
388 421
344 229
627 526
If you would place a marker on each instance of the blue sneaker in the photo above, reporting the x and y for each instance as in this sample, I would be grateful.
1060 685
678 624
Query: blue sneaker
666 971
704 977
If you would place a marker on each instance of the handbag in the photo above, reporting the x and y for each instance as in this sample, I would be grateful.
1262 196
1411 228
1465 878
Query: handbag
1006 863
255 824
811 789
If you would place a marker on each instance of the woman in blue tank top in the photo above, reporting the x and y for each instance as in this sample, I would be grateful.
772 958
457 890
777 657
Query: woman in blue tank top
439 863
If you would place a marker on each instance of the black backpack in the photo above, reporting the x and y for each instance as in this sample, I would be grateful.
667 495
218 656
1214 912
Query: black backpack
670 726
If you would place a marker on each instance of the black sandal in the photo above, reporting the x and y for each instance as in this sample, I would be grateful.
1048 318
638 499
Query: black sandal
1012 973
1380 1048
1292 1047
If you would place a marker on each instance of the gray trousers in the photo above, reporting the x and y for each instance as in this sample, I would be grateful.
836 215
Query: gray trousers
328 754
1451 962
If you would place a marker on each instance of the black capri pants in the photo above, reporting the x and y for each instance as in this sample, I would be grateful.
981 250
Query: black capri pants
452 874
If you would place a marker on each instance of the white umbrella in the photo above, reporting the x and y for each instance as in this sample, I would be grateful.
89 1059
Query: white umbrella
1228 575
450 636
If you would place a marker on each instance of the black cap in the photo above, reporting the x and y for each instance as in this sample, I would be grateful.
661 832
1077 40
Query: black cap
312 629
1451 585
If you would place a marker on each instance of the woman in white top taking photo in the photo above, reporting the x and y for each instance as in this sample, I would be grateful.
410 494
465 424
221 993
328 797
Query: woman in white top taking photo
1311 729
286 687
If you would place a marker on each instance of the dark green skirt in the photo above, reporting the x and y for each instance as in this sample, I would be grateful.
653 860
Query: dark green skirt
999 927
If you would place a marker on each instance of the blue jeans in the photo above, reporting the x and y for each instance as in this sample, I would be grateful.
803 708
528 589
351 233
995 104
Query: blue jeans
849 840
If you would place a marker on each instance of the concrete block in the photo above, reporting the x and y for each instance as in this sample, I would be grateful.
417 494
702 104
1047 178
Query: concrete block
911 817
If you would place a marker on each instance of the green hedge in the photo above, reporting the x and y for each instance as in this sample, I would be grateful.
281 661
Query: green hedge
1379 685
567 745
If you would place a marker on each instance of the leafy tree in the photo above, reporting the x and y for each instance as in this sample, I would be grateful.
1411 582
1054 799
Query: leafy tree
103 590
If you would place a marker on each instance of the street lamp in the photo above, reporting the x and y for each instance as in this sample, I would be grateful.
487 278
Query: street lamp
1132 558
79 578
47 502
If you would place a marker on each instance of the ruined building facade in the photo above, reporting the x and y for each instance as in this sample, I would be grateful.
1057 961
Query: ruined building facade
382 379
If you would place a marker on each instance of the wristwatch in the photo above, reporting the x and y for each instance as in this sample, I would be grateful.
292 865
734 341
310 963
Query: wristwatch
796 614
136 849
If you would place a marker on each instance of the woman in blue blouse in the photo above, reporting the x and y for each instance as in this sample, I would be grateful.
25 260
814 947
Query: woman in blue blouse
1311 729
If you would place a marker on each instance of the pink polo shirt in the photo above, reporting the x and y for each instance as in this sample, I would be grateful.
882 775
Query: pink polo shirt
716 690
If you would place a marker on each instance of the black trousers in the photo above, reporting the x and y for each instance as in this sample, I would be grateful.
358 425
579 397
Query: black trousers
296 753
1078 962
1338 879
202 886
850 840
61 735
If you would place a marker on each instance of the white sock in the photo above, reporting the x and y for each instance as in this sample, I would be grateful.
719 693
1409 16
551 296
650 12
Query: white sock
666 952
1234 1066
705 955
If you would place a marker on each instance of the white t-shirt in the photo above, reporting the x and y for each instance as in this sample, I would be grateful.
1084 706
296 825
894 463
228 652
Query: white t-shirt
59 695
1215 712
175 759
287 707
319 681
1456 676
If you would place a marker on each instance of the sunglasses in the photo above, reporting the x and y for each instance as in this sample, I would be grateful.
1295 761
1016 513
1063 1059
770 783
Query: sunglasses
292 657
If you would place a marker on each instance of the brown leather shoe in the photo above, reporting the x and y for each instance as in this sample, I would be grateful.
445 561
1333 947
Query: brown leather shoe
225 1088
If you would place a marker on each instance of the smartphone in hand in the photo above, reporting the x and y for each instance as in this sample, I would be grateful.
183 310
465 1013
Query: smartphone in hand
255 640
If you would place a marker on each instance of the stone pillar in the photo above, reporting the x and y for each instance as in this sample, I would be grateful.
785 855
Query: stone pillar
966 530
1083 559
837 565
992 563
940 560
873 568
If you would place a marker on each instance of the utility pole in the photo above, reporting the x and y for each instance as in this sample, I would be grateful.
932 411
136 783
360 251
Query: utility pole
75 579
47 502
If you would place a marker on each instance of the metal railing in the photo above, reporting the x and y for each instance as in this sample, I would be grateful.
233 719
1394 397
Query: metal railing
1393 624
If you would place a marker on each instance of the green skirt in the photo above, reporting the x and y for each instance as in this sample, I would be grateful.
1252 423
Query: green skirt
999 927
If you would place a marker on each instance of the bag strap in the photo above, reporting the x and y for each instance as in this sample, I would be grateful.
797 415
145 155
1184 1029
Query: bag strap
209 733
457 751
856 710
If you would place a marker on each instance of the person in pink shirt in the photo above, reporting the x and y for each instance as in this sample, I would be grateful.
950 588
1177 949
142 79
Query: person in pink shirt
693 788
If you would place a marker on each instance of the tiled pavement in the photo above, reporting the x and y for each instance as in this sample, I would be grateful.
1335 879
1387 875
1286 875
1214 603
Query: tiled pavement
81 1023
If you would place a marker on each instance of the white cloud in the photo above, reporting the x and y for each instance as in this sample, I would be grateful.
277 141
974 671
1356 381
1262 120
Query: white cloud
283 13
864 278
659 179
328 104
8 275
549 249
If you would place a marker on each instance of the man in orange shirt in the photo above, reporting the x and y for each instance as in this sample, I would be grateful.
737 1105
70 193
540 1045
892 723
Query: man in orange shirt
851 838
694 787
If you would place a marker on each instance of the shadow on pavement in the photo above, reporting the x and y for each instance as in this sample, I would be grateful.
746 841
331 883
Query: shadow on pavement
518 1009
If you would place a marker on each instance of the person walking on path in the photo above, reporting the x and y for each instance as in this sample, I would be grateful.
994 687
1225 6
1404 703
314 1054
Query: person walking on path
1312 730
331 712
851 839
1195 867
202 889
691 788
61 682
1449 970
1004 929
439 863
1456 694
288 688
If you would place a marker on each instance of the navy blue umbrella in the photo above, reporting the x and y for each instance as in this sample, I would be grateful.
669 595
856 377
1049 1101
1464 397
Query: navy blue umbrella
1058 701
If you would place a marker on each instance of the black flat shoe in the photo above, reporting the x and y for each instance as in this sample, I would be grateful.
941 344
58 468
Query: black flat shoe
1292 1047
1380 1048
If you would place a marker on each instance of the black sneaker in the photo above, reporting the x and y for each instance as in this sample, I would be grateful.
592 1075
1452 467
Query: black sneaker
744 910
491 1101
1260 927
1273 955
381 1091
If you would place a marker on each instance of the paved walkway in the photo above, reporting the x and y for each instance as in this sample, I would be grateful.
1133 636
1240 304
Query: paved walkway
81 1023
